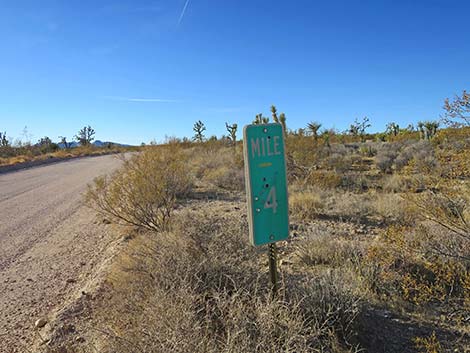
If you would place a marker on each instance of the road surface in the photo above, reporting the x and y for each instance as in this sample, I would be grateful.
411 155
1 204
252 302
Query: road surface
49 243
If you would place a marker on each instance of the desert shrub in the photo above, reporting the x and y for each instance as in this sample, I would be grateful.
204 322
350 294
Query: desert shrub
368 149
428 344
352 147
421 154
454 157
145 191
429 262
339 162
226 177
303 157
384 161
397 183
342 149
218 165
201 289
349 206
355 182
324 179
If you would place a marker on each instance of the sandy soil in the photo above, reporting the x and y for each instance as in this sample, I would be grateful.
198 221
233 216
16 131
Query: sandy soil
50 244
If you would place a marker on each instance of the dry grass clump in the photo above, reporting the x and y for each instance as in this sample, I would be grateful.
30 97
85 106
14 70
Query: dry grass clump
325 249
429 263
312 203
391 208
306 205
350 206
145 191
397 183
324 179
203 288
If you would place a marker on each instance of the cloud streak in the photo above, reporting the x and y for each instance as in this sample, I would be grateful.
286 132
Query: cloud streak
142 100
183 12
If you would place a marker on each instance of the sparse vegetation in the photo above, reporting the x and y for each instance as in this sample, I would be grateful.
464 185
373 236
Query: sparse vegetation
379 253
22 150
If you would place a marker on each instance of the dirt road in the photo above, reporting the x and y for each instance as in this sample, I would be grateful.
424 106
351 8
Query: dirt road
49 243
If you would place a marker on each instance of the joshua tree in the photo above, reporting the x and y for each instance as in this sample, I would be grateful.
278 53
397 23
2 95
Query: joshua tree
63 140
427 129
282 120
46 145
274 114
313 127
420 127
359 128
199 129
85 135
326 136
392 129
4 140
260 119
430 128
44 141
232 130
458 111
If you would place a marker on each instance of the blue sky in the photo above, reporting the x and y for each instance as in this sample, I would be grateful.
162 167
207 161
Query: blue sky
140 70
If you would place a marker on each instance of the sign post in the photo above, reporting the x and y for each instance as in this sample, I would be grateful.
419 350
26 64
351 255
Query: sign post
266 188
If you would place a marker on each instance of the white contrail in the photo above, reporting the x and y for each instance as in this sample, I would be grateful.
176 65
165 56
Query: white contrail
183 12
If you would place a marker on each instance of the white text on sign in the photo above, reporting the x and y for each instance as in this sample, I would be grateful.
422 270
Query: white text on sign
265 146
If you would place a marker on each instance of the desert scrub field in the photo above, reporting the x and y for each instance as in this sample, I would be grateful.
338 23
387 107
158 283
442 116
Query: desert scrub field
378 259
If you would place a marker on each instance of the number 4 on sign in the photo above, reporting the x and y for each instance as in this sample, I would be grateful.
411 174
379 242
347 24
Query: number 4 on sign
271 201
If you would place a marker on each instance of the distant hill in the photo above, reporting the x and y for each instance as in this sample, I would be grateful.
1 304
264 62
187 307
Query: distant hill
96 143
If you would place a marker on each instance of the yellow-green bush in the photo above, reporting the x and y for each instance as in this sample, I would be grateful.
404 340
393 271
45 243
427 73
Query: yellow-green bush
145 191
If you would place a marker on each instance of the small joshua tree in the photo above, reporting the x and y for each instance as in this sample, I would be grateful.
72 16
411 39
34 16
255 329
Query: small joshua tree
274 114
4 140
427 129
63 140
260 119
282 120
392 129
313 127
232 131
359 128
199 129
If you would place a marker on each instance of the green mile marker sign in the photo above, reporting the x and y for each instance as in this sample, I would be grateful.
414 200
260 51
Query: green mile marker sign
266 183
